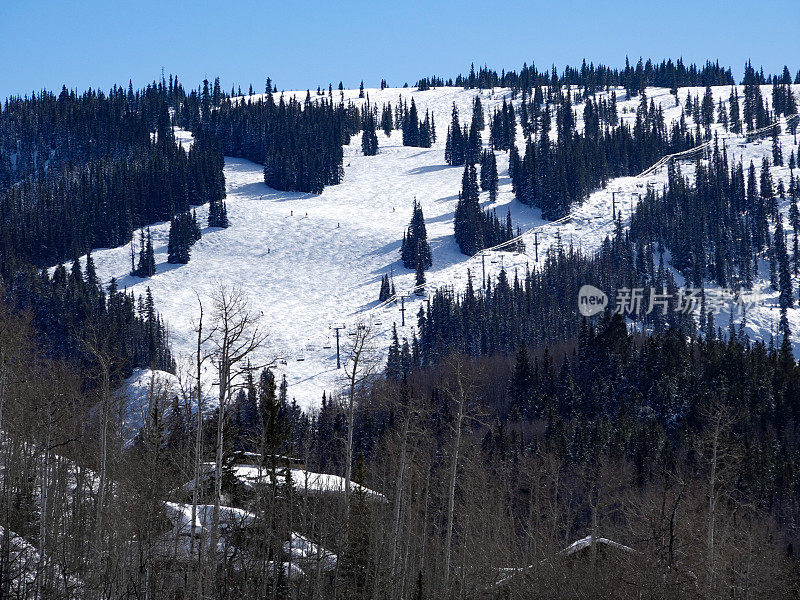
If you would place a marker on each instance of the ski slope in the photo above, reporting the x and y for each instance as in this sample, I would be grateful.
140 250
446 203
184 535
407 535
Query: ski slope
309 262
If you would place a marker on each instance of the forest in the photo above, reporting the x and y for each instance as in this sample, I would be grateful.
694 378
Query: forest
509 445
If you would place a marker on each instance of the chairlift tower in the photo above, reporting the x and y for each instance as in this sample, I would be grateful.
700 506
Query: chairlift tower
338 328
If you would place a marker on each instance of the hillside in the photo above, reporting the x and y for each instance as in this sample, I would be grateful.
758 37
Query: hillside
309 262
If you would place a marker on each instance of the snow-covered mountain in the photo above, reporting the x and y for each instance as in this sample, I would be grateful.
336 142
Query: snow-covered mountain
309 262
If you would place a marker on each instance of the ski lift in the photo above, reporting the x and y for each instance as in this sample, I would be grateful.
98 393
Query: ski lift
301 358
378 323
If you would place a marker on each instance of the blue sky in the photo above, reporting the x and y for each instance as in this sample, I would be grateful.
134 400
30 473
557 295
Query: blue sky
304 44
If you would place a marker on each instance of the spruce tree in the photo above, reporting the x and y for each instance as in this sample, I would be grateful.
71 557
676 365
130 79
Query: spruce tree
369 139
394 368
181 238
468 226
386 119
419 281
411 126
218 214
415 246
477 114
454 146
385 291
147 262
489 178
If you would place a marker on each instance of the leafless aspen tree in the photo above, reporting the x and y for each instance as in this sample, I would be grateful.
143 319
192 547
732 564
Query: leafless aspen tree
236 335
360 366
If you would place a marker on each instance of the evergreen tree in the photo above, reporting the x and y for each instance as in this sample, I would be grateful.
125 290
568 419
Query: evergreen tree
467 218
777 152
477 114
455 151
183 233
385 292
218 214
419 281
784 273
369 139
415 247
146 266
735 119
474 144
489 178
411 126
387 123
394 367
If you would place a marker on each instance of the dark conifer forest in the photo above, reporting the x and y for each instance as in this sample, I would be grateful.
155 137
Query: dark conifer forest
299 144
94 168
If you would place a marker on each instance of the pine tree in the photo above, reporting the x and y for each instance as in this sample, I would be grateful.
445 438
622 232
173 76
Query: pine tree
218 214
386 119
521 383
147 261
369 139
454 152
385 292
777 152
468 227
489 178
183 232
784 272
195 228
735 119
477 114
394 368
419 281
411 126
707 108
415 246
474 144
356 560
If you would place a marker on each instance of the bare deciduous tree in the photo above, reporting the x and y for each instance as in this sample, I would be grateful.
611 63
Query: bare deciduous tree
236 335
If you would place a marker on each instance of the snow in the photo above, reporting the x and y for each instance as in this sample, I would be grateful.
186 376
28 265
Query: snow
303 550
305 482
180 515
509 573
176 541
586 542
135 394
308 262
24 564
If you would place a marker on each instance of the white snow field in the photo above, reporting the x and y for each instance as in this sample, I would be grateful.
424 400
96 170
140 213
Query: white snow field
308 262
